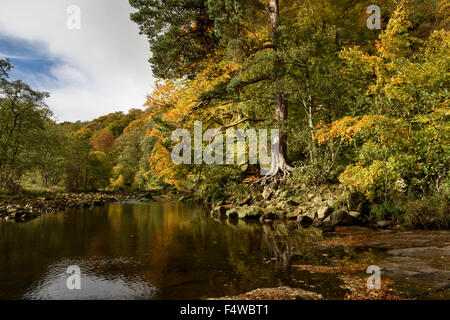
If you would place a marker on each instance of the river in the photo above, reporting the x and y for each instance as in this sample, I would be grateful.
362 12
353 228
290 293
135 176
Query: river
148 251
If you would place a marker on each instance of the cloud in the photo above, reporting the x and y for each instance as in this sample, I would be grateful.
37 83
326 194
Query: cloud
101 68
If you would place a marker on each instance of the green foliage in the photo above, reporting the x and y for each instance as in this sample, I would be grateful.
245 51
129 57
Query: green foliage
428 212
385 211
220 183
180 34
23 115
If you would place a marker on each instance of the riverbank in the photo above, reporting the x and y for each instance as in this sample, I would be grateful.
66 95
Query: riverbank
331 206
26 207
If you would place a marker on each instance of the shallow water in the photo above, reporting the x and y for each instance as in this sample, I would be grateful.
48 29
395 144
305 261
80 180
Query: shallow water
150 251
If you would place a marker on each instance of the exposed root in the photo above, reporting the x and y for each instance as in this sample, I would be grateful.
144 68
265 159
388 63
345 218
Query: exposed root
275 176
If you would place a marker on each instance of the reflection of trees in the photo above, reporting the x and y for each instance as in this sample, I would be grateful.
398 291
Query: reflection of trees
276 238
284 244
171 246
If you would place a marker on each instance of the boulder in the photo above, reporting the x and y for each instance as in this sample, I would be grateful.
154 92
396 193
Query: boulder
304 221
250 212
324 212
384 223
341 218
355 214
317 223
282 205
267 194
246 200
327 227
292 215
317 200
312 213
219 212
294 201
233 213
272 213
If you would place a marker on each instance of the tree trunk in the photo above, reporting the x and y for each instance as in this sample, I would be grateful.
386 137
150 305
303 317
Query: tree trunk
281 103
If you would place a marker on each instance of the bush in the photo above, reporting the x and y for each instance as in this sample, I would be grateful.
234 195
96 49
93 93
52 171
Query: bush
430 212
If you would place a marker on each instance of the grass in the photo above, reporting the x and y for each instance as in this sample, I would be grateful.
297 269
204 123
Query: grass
429 212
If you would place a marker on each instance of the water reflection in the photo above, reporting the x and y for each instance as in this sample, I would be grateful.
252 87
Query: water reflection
143 251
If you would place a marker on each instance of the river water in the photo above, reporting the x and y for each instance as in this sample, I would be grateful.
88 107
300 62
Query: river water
151 251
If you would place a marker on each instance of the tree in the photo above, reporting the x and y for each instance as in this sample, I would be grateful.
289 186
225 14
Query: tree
180 34
23 114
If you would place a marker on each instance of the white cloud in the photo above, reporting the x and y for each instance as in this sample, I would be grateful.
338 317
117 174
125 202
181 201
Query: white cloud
101 68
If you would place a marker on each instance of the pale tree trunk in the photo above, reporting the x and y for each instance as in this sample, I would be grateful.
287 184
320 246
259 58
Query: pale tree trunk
281 103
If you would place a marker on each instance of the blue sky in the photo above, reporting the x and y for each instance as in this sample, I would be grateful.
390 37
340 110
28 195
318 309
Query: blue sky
29 60
97 69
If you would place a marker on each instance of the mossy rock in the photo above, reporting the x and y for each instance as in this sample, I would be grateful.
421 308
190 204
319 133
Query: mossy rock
293 215
250 212
272 214
219 212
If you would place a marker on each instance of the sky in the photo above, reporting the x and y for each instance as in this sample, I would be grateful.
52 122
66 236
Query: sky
98 68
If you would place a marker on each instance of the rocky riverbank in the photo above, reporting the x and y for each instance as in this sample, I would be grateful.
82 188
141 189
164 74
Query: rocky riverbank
326 208
28 207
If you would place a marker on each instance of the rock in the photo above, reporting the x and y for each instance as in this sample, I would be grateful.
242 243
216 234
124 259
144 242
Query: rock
272 214
233 213
355 201
284 195
250 212
327 227
219 212
302 209
355 214
292 215
294 201
281 293
331 202
317 223
324 212
282 205
246 200
304 221
312 214
341 218
384 223
267 194
317 200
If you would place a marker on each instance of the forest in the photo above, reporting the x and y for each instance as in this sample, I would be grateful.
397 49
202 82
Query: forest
360 111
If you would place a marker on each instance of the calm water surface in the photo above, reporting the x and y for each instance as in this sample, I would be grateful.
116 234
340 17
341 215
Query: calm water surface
150 251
